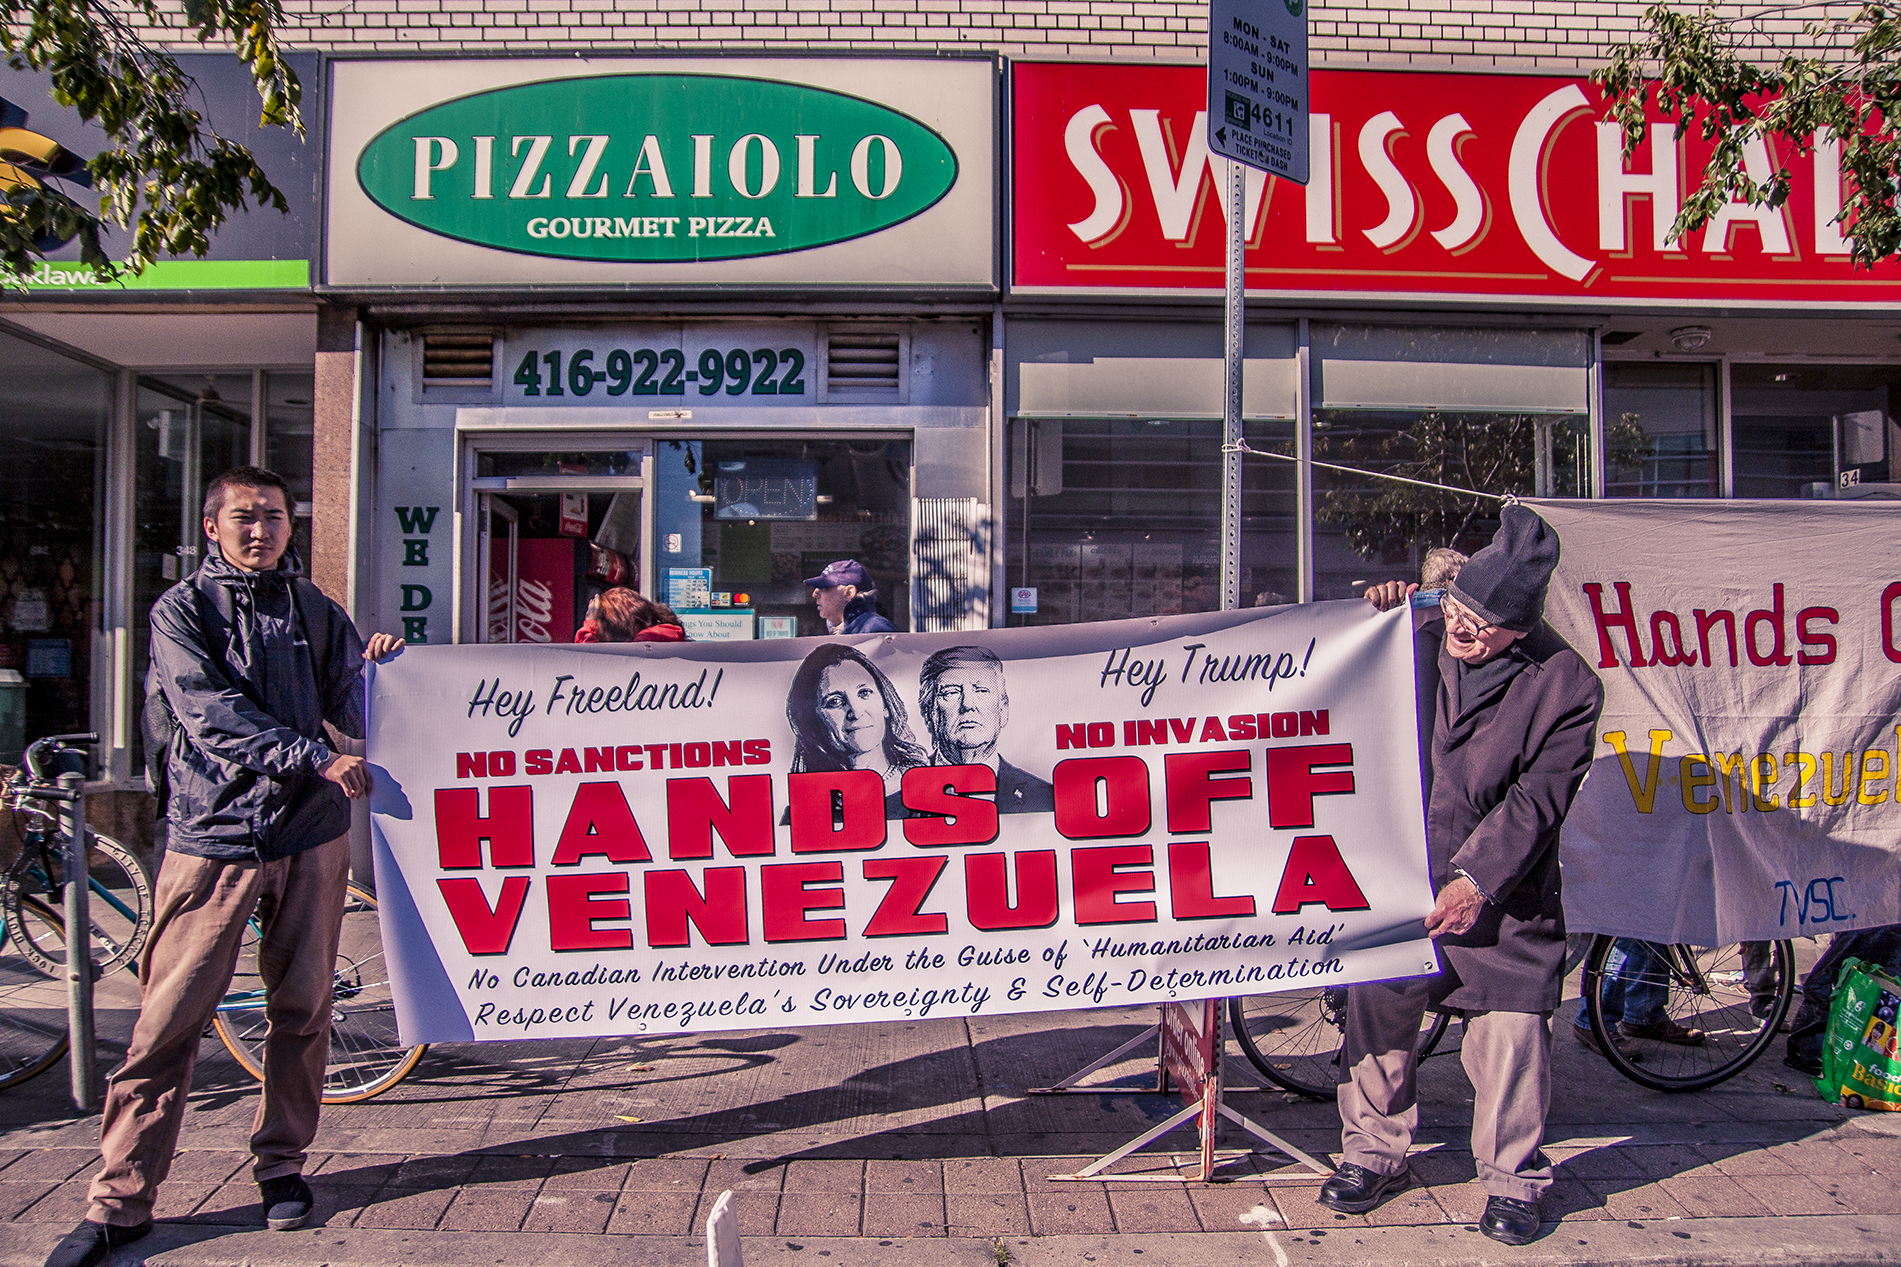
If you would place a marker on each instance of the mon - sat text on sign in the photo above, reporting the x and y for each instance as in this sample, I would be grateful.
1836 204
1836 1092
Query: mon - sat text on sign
615 840
1430 184
1257 84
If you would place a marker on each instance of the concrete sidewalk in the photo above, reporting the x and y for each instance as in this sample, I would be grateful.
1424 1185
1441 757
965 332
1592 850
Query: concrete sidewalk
916 1143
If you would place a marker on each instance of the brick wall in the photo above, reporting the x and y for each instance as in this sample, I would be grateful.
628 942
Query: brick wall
1554 34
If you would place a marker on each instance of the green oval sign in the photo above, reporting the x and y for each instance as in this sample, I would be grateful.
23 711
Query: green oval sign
646 168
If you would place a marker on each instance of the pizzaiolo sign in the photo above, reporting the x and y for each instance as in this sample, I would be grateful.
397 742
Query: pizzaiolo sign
656 167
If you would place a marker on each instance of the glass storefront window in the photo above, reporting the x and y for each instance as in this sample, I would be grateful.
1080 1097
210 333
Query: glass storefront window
53 417
1660 431
289 442
1135 529
1798 427
1372 530
745 521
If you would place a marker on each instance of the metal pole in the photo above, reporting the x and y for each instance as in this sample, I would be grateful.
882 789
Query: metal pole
1231 383
79 972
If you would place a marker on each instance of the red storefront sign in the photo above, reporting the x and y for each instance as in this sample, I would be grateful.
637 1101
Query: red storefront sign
1438 185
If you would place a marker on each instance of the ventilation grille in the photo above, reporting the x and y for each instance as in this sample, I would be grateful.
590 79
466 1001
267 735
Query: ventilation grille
950 586
862 363
458 358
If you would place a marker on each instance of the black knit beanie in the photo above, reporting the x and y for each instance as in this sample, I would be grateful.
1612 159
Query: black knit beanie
1504 584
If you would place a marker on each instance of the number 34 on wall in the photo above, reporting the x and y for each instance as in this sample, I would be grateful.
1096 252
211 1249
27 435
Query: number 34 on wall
737 371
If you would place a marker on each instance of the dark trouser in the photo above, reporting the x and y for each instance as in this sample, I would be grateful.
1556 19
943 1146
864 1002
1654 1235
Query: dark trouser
202 907
1507 1056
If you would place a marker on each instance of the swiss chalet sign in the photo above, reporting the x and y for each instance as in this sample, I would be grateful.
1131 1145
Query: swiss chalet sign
1502 186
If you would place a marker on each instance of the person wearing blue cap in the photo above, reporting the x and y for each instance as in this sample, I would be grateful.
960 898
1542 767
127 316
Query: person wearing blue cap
847 598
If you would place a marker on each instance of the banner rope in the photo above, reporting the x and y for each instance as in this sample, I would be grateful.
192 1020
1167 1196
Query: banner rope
1242 446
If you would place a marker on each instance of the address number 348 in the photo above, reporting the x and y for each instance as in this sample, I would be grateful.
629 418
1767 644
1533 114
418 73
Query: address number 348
644 372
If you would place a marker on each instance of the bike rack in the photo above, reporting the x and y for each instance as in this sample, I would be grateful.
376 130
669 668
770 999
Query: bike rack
82 1051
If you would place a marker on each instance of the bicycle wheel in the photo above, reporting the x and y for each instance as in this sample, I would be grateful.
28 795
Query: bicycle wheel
367 1057
1294 1038
1707 988
119 905
32 1004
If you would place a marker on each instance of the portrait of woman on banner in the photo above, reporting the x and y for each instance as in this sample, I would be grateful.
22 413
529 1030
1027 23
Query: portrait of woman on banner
846 715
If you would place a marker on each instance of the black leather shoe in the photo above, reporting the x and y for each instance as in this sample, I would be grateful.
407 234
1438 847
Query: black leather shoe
287 1201
1510 1222
1355 1189
91 1243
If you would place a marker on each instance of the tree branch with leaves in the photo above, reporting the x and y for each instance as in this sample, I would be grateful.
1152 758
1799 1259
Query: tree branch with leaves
166 175
1735 83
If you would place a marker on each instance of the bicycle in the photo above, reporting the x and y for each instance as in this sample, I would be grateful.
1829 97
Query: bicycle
1739 1006
120 886
33 1034
367 1056
1295 1038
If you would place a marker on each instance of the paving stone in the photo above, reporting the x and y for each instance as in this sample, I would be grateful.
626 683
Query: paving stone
1036 1172
1712 1196
339 1204
487 1210
1299 1210
356 1170
907 1177
908 1214
54 1164
1152 1207
1815 1157
1613 1162
983 1175
225 1205
587 1174
406 1208
756 1212
668 1174
1672 1161
1624 1199
744 1176
1438 1167
821 1176
1234 1207
1083 1209
570 1210
510 1172
986 1214
819 1213
1415 1207
65 1203
1565 1199
1749 1161
661 1213
1793 1194
1865 1194
8 1156
443 1171
206 1166
1462 1202
15 1198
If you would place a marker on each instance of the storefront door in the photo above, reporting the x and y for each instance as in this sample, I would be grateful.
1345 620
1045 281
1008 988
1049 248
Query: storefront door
554 526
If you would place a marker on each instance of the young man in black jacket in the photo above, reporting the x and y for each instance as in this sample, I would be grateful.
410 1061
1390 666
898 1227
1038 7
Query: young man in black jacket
252 660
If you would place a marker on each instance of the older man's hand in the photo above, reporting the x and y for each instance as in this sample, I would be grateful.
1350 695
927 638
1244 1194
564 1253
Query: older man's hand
1389 594
1456 910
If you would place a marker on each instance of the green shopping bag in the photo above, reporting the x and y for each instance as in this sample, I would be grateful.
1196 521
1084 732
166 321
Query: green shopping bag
1861 1066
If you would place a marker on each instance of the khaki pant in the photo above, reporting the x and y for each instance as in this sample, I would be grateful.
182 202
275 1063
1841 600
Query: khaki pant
197 931
1507 1056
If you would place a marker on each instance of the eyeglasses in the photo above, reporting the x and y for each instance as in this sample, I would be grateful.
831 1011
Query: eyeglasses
1458 617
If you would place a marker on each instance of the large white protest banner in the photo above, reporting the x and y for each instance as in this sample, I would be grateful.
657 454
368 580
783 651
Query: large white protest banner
581 840
1744 786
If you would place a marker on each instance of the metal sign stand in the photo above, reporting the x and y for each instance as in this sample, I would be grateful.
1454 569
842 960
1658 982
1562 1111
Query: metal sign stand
1189 1053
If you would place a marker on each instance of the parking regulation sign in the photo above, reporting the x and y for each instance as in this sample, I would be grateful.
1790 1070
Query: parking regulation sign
1257 84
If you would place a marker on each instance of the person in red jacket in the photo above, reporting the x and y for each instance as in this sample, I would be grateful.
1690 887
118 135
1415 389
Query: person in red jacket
621 615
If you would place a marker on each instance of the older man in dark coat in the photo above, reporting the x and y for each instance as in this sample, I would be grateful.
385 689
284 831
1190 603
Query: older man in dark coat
1508 714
